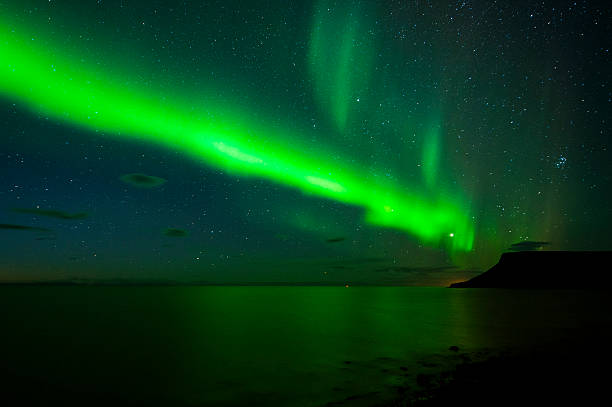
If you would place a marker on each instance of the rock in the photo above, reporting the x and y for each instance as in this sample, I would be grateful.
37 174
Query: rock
546 270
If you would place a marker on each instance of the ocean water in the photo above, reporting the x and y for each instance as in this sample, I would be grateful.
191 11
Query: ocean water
293 346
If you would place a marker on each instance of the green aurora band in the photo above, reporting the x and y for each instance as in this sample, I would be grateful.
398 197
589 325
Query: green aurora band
431 156
340 57
70 91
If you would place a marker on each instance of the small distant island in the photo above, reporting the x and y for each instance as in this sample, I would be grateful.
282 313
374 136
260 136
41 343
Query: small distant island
546 269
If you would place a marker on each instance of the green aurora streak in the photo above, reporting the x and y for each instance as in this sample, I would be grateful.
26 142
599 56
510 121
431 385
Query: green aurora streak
431 156
60 87
340 57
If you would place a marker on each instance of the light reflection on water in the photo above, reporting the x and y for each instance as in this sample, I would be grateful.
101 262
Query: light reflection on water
272 345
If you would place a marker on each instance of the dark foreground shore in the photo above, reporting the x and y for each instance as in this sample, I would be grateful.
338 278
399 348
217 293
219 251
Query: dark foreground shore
575 373
560 374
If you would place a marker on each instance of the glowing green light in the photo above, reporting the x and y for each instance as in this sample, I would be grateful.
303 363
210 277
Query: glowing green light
237 154
54 85
340 56
431 156
327 184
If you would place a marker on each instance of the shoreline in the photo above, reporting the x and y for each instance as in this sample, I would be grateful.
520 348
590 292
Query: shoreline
563 373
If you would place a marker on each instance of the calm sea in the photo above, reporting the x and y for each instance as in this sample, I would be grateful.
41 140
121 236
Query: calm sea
302 346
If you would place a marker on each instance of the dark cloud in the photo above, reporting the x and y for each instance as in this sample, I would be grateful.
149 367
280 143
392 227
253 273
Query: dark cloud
51 213
335 239
175 232
356 262
8 226
404 269
142 180
527 245
282 237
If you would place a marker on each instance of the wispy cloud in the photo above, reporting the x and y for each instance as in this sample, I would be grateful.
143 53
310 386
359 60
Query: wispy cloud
527 245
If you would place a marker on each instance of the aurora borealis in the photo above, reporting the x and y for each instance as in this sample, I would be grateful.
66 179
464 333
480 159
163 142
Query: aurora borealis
425 135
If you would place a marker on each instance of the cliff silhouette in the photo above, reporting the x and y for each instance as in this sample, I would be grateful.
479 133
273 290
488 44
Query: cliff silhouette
546 269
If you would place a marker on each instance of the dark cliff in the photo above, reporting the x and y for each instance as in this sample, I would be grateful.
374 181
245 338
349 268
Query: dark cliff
546 269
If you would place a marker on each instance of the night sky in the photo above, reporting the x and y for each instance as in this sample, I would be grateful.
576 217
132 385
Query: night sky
395 142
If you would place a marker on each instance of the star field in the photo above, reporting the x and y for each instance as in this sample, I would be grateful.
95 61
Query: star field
301 141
